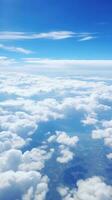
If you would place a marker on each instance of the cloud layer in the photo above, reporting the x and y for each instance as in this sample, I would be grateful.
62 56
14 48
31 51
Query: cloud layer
25 104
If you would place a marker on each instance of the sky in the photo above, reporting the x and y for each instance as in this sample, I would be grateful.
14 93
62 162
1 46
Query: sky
55 30
55 120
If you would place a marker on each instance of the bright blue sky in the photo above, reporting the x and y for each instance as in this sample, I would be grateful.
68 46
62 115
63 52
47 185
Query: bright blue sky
88 24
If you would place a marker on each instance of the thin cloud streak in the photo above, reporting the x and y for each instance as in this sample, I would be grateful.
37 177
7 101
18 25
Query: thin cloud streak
15 49
53 35
46 61
87 38
53 63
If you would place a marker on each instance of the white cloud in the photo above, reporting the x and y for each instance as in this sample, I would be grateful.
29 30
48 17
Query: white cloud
90 120
104 133
53 35
15 49
109 156
10 140
87 38
17 128
90 189
35 159
107 124
20 116
61 137
64 62
30 64
52 63
23 185
65 156
66 143
18 122
5 61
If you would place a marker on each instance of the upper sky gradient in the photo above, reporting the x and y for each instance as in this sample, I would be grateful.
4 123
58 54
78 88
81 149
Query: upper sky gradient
55 29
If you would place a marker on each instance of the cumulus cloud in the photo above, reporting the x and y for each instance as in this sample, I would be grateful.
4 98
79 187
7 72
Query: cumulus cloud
23 185
66 143
106 134
18 122
25 103
10 140
16 128
90 120
92 188
21 115
65 155
14 159
61 137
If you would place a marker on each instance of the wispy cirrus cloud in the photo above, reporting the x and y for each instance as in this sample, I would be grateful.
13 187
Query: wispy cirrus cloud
15 49
86 38
52 35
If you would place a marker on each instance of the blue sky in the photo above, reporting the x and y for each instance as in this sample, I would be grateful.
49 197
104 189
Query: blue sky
54 29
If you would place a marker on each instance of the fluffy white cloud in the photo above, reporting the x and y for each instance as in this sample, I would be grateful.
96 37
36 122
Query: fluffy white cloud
104 133
16 128
109 156
24 85
23 185
35 159
21 115
90 189
107 124
65 142
65 155
10 140
30 160
90 120
24 104
62 137
18 122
